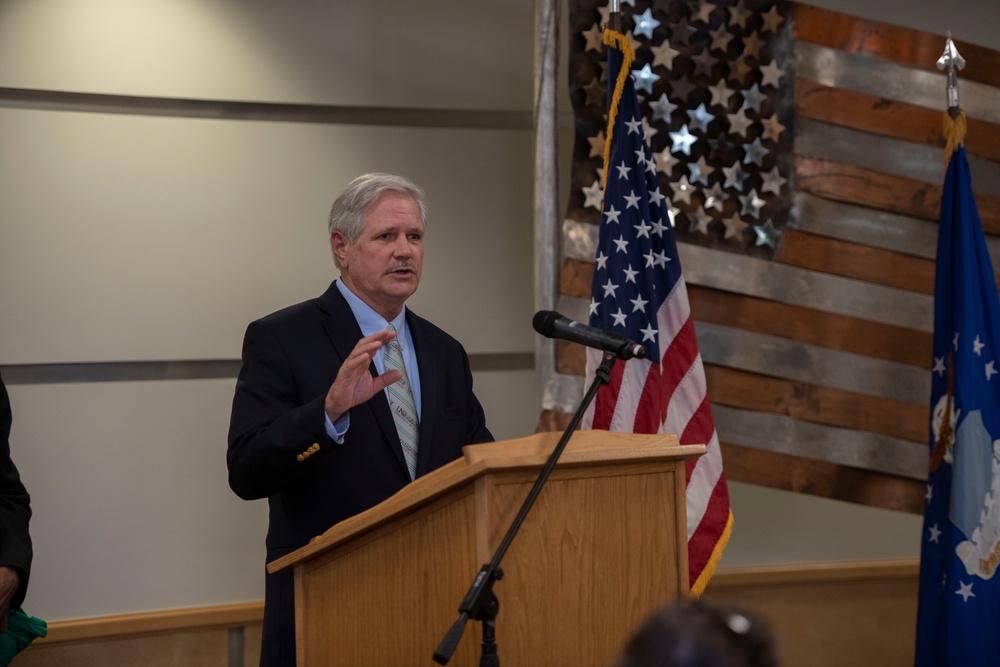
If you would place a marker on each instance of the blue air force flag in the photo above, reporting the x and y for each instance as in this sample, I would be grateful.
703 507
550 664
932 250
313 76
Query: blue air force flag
958 620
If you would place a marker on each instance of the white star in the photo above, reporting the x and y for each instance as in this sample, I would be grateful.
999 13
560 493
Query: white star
965 590
930 493
682 140
990 370
655 197
645 24
602 260
619 317
623 170
935 533
609 288
642 229
661 258
622 244
594 196
650 260
978 346
644 79
632 200
638 304
939 365
633 125
630 274
593 306
640 156
649 333
955 341
612 214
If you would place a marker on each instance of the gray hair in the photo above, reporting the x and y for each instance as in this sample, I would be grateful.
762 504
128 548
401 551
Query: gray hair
347 215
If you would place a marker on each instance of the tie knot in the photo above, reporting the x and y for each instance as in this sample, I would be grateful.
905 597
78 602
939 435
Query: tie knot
391 328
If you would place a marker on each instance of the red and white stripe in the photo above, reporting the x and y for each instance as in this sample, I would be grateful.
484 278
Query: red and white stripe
671 397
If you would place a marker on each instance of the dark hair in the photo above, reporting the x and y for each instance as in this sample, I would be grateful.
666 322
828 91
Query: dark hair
691 633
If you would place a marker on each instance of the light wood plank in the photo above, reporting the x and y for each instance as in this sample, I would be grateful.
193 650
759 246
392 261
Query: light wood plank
890 42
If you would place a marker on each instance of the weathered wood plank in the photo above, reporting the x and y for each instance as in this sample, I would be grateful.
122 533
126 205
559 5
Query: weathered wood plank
898 44
810 326
855 260
571 358
856 185
814 327
576 278
819 478
889 118
824 405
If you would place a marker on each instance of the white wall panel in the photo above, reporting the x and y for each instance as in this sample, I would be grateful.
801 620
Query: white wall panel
129 238
433 54
132 508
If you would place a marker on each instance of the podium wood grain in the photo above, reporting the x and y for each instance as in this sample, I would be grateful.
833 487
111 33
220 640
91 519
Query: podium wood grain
604 545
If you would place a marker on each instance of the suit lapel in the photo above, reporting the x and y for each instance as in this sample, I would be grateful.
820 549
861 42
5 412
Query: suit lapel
427 363
344 333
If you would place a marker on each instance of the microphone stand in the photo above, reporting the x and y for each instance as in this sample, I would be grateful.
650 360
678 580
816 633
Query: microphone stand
480 603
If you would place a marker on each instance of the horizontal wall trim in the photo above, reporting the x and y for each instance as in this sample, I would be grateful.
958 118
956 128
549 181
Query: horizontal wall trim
770 575
103 627
240 614
56 100
197 369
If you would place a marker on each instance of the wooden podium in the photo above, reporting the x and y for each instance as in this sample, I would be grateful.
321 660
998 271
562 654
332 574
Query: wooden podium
604 545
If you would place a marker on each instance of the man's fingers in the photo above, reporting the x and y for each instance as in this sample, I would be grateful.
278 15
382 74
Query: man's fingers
387 378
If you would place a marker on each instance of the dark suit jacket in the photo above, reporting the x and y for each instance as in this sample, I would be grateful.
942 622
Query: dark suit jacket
279 449
15 510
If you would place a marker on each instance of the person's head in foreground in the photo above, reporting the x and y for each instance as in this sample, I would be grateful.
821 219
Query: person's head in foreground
690 633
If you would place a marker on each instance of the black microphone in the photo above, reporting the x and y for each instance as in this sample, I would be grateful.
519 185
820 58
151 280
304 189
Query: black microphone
551 324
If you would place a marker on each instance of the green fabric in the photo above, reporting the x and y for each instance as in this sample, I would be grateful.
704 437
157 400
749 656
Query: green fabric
21 631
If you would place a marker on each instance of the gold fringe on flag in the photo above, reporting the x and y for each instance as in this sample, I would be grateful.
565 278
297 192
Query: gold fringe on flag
954 134
613 38
698 587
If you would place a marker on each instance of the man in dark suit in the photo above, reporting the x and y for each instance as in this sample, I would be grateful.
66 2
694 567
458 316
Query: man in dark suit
15 511
322 422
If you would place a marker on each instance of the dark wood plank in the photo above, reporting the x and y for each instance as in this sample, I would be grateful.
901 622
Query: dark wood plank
814 327
857 185
858 261
889 118
890 42
823 405
576 278
820 478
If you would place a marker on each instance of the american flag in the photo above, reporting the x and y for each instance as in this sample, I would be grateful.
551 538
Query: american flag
639 290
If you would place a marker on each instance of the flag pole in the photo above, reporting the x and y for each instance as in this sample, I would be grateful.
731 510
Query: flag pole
615 15
954 118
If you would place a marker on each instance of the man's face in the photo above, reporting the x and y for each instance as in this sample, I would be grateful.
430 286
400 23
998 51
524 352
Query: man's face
383 266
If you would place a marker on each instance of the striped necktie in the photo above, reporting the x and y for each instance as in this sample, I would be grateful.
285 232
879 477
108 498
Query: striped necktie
404 411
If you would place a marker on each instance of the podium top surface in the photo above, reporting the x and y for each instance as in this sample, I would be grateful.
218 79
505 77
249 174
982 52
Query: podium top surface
584 448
